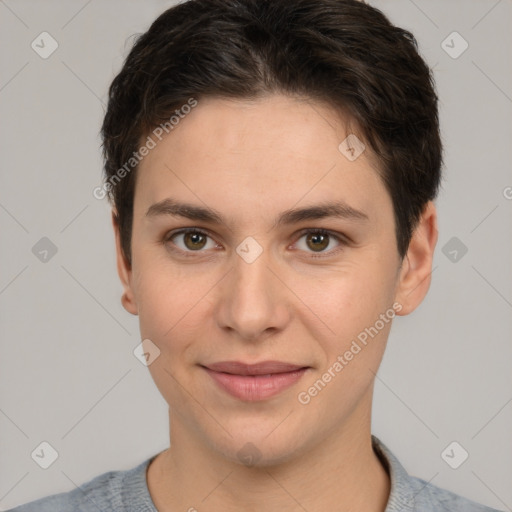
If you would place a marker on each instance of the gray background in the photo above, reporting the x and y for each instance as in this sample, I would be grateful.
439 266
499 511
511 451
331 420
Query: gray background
67 372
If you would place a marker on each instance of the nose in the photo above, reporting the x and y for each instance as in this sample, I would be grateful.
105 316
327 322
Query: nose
253 303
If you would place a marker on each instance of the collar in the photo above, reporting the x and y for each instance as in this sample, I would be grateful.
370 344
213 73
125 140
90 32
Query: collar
402 493
401 497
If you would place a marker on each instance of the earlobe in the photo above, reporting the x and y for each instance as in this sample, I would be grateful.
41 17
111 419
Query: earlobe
128 303
416 271
124 271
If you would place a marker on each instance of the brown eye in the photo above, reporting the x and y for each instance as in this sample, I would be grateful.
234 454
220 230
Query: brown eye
317 241
194 241
191 240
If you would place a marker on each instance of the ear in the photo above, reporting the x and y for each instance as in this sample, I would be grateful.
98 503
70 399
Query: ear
124 270
416 270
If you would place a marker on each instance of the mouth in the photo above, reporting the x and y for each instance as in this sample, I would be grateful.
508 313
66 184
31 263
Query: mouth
254 382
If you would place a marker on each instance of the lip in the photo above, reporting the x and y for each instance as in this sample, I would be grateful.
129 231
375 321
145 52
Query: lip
254 382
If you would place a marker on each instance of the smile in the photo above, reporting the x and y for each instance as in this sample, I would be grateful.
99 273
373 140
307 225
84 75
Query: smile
254 382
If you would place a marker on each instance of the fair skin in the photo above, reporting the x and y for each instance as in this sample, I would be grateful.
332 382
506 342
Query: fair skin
250 161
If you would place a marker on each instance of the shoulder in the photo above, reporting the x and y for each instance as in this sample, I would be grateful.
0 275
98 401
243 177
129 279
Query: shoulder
114 490
429 497
412 494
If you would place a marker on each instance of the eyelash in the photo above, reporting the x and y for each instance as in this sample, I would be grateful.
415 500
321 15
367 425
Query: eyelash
314 231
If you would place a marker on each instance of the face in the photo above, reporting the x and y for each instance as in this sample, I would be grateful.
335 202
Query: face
259 248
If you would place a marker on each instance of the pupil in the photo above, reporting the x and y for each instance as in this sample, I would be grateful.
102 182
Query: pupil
197 241
319 241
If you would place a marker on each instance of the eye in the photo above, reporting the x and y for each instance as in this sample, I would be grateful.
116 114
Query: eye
191 240
195 240
318 241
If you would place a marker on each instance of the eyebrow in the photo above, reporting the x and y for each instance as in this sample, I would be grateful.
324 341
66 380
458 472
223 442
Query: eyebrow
338 209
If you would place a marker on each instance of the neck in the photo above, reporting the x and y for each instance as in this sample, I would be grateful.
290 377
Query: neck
341 472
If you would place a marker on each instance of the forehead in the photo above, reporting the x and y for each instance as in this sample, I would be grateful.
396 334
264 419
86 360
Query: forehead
260 156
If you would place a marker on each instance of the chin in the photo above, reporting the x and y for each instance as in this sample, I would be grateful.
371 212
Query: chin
256 448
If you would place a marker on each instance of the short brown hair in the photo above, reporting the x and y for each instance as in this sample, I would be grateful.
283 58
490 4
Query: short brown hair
343 52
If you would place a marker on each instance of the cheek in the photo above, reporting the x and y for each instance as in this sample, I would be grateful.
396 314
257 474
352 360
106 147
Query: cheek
170 300
359 310
169 306
158 305
350 298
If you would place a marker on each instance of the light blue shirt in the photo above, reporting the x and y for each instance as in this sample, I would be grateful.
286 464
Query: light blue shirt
128 491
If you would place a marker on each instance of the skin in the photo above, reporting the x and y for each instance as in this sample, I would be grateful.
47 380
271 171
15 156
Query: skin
251 161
